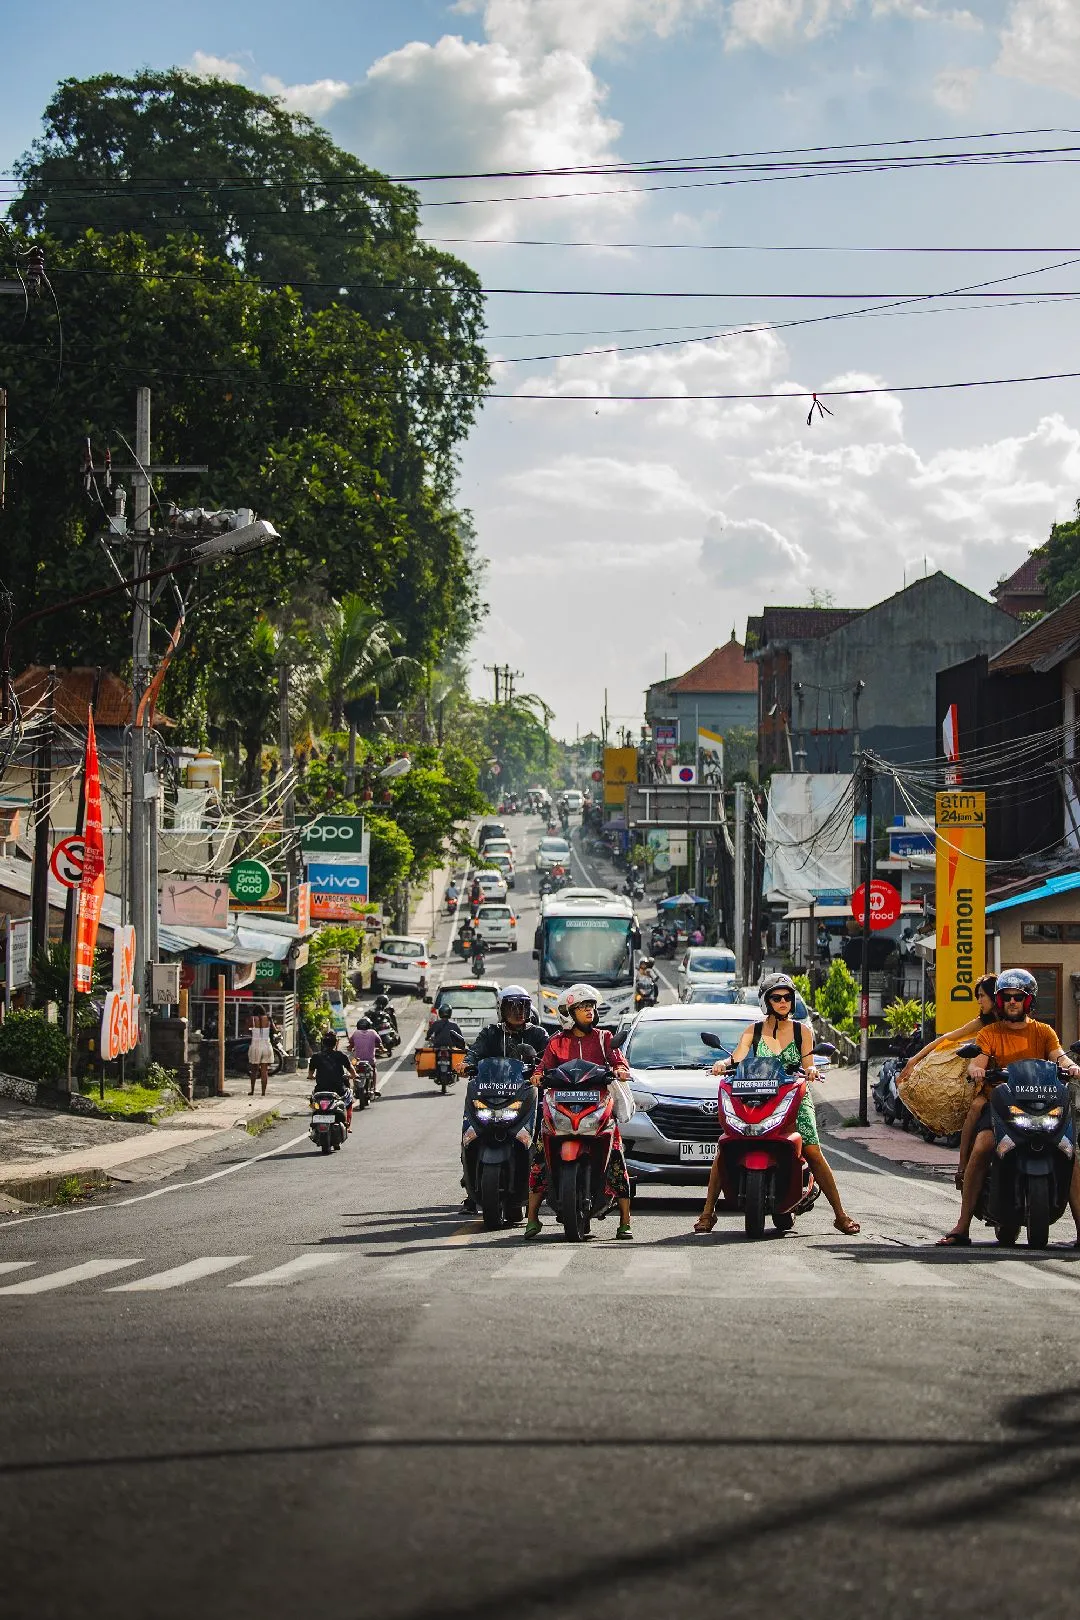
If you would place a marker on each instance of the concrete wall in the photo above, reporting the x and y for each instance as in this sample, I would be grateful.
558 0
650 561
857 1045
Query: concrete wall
717 711
897 648
1015 951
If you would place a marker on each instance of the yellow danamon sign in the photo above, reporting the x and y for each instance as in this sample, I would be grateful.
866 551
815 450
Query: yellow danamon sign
620 772
961 906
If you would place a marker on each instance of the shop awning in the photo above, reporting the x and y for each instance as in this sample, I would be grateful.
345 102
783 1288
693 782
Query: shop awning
1045 891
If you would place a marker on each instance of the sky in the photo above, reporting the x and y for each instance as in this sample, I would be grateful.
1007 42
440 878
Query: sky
625 538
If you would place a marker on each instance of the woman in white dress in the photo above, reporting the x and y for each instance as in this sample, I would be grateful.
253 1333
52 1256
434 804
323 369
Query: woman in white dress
260 1052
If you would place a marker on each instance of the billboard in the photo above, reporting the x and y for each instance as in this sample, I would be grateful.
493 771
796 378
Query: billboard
961 906
339 878
620 772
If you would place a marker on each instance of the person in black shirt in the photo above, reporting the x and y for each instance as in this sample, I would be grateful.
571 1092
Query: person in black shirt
513 1036
444 1032
331 1070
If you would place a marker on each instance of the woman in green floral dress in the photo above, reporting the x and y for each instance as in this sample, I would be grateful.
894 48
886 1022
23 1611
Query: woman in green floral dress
778 1040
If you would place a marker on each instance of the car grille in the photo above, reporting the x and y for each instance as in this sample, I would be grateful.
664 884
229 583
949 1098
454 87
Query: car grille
686 1124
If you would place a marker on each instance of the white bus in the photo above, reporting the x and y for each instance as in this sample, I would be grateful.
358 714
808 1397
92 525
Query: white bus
591 938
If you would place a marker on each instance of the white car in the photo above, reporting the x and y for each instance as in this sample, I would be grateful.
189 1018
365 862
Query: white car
575 800
496 846
503 863
401 960
552 851
707 964
497 925
493 885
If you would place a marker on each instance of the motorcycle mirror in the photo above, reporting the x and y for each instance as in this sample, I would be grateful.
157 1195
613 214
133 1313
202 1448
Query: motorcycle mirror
536 956
620 1037
426 1000
712 1040
968 1050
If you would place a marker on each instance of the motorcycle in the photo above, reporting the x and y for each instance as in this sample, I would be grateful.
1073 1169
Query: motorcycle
443 1063
886 1096
463 941
386 1030
478 959
331 1117
646 994
496 1139
364 1090
1027 1185
577 1134
662 941
451 902
764 1168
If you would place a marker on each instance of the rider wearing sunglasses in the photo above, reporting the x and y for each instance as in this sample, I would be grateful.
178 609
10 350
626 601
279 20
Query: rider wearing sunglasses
779 1036
1012 1037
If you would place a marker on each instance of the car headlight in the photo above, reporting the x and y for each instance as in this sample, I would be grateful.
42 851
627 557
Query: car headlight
644 1099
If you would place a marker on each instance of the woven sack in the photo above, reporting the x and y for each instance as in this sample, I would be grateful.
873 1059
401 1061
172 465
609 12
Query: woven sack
938 1091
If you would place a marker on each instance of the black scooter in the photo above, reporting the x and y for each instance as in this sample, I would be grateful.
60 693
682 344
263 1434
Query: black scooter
1027 1185
496 1139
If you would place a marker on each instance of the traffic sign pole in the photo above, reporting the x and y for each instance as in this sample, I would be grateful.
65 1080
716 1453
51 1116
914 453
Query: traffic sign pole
864 989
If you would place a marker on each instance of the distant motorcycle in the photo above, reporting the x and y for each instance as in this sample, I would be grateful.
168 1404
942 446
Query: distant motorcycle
329 1124
364 1084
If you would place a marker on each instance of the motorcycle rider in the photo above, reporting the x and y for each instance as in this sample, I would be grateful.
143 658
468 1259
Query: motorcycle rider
512 1037
1013 1035
451 895
647 983
330 1070
384 1008
779 1037
365 1045
444 1032
580 1039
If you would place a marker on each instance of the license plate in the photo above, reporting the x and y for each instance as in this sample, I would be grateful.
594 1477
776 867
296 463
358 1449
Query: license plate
697 1152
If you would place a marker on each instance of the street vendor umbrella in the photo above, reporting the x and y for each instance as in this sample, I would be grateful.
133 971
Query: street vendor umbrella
685 899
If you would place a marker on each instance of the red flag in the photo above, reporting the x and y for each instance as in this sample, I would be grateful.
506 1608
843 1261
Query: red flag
92 883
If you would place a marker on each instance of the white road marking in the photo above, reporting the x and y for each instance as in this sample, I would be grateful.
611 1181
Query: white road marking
64 1279
907 1274
656 1266
415 1267
943 1192
15 1265
1026 1274
290 1272
177 1276
537 1265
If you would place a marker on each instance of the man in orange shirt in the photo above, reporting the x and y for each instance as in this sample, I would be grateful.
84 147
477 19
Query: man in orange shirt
1012 1037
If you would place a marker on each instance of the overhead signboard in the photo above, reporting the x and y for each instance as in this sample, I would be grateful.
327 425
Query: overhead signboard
331 837
303 907
664 734
250 880
338 908
664 805
338 877
620 769
960 907
885 904
194 903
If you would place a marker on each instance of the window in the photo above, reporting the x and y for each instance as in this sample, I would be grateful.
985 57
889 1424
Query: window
1036 933
1047 1008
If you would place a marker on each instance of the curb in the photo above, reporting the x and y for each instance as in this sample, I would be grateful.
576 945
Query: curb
43 1189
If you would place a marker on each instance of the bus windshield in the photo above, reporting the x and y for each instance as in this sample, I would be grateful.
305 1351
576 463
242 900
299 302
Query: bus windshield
596 949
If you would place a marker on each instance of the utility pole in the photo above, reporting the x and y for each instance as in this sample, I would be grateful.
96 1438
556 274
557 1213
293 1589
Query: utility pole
867 774
288 806
39 881
496 670
141 899
739 922
3 445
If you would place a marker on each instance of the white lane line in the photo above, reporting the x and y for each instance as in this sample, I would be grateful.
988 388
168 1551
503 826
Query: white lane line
64 1279
907 1274
907 1181
1026 1274
536 1266
177 1276
290 1272
15 1265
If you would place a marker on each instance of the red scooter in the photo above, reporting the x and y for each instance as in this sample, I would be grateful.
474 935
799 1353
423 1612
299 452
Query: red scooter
577 1134
765 1172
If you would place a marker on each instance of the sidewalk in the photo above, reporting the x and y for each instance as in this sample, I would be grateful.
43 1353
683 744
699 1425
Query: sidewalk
109 1150
837 1100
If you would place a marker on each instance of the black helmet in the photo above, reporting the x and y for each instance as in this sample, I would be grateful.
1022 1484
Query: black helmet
363 1023
329 1041
382 1001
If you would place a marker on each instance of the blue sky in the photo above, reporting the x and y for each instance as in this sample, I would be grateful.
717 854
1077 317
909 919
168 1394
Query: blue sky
618 533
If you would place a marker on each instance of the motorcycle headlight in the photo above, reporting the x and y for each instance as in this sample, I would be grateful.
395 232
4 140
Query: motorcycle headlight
737 1126
644 1099
589 1123
503 1116
1033 1122
561 1123
481 1110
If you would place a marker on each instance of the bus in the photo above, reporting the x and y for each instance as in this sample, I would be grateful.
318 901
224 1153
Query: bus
591 938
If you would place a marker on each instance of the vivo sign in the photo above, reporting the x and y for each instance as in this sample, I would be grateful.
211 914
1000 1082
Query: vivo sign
328 877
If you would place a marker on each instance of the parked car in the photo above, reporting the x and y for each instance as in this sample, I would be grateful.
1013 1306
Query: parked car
552 851
472 1005
493 885
709 962
401 960
497 925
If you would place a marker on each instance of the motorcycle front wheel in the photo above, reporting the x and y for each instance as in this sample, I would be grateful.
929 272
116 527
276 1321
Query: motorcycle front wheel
1038 1212
754 1212
491 1203
324 1142
574 1200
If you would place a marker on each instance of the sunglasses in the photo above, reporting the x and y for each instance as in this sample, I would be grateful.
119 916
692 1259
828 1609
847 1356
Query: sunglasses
1009 995
781 995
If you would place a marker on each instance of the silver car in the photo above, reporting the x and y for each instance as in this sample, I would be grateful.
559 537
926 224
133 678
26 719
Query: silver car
672 1136
712 964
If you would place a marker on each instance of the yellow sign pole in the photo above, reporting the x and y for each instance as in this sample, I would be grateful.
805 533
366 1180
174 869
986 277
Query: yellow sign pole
961 906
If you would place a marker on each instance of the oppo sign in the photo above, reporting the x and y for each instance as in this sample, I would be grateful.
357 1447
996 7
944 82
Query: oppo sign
334 835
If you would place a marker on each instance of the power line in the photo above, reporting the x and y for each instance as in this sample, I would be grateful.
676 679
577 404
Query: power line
799 393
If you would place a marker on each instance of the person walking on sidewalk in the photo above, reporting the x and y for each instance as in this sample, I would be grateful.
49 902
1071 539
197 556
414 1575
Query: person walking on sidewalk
260 1052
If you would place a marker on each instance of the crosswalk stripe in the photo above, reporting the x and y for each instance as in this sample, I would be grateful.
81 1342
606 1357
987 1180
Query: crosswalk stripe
280 1276
1023 1274
176 1276
907 1274
64 1279
657 1267
15 1265
417 1267
537 1266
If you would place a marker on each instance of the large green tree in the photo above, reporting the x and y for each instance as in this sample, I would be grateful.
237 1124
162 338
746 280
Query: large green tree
1062 575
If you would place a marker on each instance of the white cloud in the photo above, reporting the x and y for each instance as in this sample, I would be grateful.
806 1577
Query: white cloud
313 99
954 88
774 24
531 27
606 483
1040 43
206 66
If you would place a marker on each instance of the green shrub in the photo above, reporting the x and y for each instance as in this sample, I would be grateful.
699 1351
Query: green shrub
32 1048
838 998
904 1017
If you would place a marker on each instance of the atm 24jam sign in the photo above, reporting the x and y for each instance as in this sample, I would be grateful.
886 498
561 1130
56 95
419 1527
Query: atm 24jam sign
120 1020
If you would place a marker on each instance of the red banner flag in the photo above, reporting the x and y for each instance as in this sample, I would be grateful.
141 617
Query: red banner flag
92 883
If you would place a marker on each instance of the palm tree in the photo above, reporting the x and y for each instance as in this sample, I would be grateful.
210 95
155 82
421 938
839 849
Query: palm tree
356 663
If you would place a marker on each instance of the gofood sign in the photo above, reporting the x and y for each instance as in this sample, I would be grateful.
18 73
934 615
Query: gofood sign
120 1019
331 837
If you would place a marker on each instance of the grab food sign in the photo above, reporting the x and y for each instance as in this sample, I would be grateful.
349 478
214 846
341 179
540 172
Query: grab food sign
120 1020
885 904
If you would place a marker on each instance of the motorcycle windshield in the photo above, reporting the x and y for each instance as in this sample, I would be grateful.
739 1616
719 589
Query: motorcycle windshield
1029 1081
497 1077
578 1072
758 1076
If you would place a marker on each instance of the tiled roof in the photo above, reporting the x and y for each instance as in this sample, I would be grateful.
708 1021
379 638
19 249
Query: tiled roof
1044 646
725 670
803 623
1027 579
72 697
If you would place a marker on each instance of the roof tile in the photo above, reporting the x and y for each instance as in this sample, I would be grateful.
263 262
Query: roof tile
724 670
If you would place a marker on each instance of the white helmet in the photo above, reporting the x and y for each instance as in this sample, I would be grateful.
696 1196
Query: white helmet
578 995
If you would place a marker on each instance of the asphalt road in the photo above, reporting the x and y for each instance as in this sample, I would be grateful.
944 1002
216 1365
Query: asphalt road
287 1385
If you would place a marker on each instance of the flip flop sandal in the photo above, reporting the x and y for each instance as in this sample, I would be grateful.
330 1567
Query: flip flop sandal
953 1240
533 1229
704 1223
